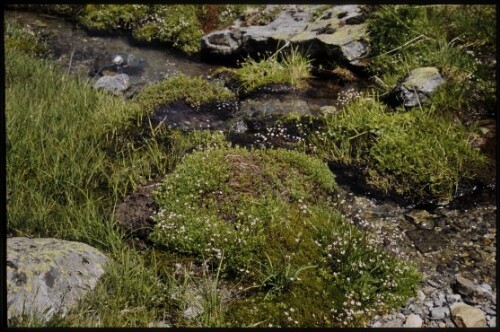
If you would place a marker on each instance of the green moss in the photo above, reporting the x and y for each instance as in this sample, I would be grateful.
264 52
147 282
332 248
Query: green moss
267 216
195 91
416 154
178 25
111 17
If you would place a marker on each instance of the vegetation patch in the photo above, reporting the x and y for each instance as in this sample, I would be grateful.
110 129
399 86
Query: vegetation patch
70 159
419 154
405 37
267 220
289 68
195 91
23 39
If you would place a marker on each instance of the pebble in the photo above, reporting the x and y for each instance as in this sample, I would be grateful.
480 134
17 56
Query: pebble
420 295
439 313
452 298
429 304
492 322
490 311
449 322
433 283
413 321
439 302
428 290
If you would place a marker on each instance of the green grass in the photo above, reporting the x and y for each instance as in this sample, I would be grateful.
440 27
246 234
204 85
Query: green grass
266 219
195 91
69 160
404 37
287 67
420 154
23 39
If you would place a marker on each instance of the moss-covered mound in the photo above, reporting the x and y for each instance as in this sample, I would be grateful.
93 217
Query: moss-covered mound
195 91
267 218
181 26
419 155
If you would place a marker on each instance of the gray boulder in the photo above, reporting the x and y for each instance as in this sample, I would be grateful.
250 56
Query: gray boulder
339 33
47 276
417 86
471 292
117 84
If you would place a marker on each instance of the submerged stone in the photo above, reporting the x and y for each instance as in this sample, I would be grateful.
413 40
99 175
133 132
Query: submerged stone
113 83
48 276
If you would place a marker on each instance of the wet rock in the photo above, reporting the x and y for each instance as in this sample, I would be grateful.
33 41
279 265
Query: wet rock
427 240
465 315
339 33
413 321
116 84
417 87
471 292
182 116
48 276
118 60
421 218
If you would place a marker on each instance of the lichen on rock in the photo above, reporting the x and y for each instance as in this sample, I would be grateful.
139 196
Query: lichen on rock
49 276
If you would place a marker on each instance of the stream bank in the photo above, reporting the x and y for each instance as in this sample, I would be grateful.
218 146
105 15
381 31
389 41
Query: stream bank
400 232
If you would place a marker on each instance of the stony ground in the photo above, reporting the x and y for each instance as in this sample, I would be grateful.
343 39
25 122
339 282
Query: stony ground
454 248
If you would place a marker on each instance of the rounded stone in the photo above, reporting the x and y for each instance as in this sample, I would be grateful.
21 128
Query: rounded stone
47 276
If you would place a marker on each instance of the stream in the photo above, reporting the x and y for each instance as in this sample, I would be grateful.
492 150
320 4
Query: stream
443 240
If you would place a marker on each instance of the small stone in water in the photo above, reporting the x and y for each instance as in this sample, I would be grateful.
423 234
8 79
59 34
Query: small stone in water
118 60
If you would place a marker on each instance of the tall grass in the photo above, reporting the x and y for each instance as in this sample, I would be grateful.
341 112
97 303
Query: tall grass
62 182
404 37
283 67
72 154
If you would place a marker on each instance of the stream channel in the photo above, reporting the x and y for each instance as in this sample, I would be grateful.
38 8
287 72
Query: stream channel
443 240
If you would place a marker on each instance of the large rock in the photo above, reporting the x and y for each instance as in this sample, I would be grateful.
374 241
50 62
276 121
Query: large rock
465 315
339 33
48 276
117 84
471 292
417 86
